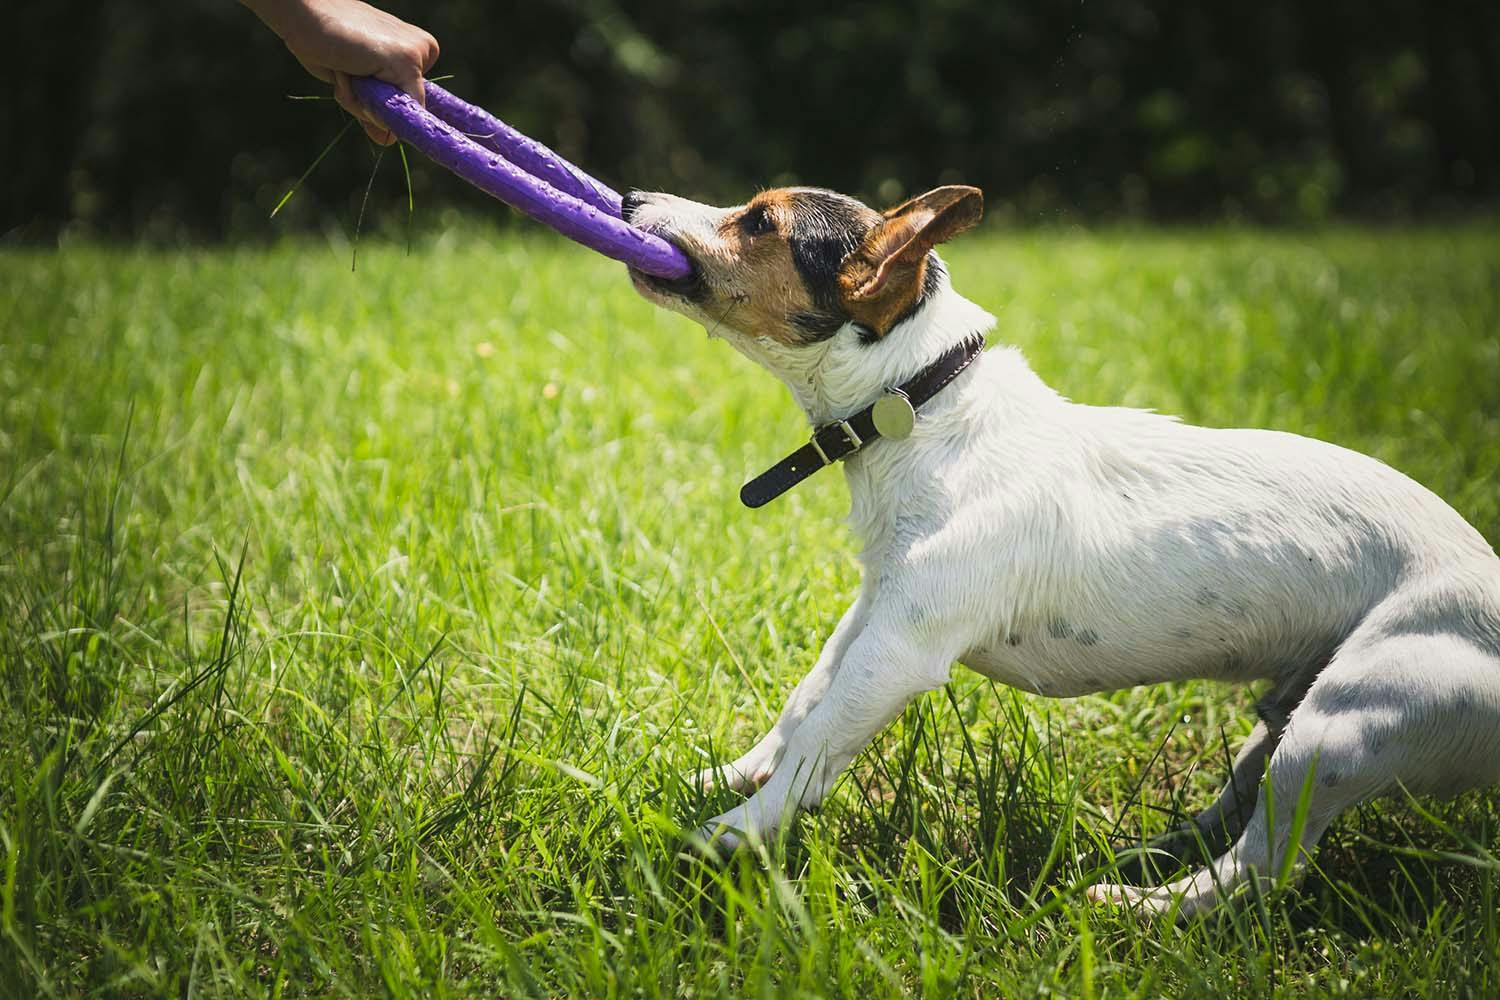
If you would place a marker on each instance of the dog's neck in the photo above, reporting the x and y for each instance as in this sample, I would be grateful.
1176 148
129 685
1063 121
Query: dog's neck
845 373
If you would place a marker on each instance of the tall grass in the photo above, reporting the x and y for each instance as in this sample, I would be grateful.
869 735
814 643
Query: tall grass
356 629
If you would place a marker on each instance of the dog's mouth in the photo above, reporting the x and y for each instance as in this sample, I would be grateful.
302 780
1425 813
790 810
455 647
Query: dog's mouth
690 287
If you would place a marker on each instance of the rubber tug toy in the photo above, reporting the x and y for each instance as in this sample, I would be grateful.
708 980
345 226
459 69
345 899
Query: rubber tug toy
519 171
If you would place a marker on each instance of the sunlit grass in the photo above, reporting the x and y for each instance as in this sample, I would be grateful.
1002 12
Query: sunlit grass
355 628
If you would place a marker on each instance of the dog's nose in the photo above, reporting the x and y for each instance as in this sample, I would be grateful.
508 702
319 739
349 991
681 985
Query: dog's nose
628 204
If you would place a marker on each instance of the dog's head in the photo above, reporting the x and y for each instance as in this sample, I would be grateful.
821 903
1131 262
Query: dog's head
794 266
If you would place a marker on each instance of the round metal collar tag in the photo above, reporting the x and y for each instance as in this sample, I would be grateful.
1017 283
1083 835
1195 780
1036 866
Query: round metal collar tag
893 416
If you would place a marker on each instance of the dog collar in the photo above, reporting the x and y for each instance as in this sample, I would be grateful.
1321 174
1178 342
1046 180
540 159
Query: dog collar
892 415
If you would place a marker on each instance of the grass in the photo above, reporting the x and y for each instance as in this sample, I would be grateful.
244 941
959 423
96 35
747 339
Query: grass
355 628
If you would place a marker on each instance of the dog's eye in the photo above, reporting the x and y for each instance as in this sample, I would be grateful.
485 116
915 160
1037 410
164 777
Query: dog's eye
757 222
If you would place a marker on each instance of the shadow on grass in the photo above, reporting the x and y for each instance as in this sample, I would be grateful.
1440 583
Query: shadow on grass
1000 805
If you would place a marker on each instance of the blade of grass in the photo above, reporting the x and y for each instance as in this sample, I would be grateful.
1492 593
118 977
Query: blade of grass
359 220
411 204
311 167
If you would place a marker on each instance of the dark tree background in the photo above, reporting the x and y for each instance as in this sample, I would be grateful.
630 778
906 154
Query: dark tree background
171 120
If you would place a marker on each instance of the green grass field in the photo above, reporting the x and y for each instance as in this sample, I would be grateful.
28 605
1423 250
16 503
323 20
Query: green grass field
355 629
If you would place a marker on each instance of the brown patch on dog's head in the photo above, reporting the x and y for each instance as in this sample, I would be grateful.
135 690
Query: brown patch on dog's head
884 278
781 255
796 265
771 297
768 269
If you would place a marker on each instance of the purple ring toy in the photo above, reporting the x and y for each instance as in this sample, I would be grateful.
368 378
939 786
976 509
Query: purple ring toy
519 171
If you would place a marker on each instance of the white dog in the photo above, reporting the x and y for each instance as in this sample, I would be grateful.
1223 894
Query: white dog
1069 549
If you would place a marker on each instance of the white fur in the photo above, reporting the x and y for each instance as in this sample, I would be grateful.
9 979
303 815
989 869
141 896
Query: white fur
1068 549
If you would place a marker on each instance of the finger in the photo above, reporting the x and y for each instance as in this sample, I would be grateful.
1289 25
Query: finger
344 94
409 79
378 135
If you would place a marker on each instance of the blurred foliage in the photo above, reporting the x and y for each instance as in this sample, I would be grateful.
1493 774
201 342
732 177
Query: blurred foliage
170 120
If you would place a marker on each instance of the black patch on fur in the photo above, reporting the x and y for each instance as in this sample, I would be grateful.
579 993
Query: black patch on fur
756 222
1059 629
826 227
1086 637
817 326
1014 639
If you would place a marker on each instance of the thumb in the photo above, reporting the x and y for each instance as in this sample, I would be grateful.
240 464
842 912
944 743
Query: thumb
343 92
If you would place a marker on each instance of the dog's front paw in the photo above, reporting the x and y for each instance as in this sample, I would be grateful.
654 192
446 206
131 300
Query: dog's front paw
732 831
1103 892
1143 902
1163 857
717 840
724 776
743 776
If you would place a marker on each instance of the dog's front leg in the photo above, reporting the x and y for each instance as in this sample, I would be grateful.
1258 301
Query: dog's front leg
884 667
752 769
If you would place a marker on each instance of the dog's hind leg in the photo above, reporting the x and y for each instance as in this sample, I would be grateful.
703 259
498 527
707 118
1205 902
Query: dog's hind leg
1222 823
1211 832
752 769
1414 711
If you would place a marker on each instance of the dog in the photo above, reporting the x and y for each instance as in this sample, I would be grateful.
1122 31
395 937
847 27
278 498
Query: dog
1067 549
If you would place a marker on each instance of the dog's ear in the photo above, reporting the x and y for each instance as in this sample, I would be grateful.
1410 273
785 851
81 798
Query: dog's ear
891 262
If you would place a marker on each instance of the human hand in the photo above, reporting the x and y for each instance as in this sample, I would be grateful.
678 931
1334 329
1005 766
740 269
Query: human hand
337 39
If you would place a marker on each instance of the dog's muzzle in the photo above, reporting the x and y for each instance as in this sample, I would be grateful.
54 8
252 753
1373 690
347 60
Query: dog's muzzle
690 286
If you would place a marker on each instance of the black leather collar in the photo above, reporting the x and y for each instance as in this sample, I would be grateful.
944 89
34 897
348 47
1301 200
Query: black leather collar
836 441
